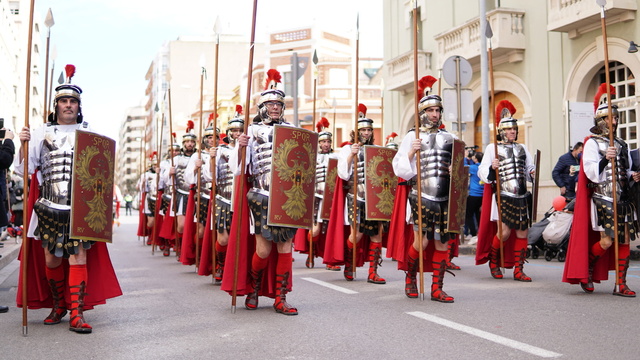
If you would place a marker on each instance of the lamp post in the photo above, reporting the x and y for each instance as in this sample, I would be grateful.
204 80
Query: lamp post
633 47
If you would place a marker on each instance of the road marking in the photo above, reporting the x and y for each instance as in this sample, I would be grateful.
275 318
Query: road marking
487 335
330 286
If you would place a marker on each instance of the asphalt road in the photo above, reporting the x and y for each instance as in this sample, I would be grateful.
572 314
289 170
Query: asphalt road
168 312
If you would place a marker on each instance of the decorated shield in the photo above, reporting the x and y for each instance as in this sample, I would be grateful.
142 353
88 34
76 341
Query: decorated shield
459 188
380 182
329 188
92 187
293 177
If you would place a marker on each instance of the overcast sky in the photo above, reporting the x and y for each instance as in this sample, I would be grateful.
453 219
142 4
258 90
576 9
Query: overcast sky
112 42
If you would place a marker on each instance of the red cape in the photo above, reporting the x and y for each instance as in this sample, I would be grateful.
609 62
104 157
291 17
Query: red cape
301 243
157 220
102 283
338 233
401 234
582 238
167 231
143 230
206 256
488 229
188 245
247 247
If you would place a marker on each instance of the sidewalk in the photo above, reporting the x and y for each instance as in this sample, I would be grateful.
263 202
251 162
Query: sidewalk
9 251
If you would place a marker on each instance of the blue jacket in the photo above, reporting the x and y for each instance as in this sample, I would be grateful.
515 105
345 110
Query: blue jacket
476 186
561 174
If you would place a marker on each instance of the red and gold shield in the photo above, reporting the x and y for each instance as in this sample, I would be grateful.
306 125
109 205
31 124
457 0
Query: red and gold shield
459 188
329 188
380 182
92 187
293 177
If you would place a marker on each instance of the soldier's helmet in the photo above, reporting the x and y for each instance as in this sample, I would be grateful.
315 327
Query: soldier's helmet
269 95
505 120
601 110
427 100
66 90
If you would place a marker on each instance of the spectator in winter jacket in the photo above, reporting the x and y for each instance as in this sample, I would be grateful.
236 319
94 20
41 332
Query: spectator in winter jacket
565 173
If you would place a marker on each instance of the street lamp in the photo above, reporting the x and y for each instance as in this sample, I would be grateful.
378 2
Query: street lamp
633 47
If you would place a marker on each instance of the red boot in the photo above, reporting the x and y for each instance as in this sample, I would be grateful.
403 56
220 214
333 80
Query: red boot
375 260
283 273
520 257
56 279
258 265
594 255
348 258
494 257
623 266
450 249
439 268
77 286
410 285
221 254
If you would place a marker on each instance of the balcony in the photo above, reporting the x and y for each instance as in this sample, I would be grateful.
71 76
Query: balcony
507 43
400 70
577 17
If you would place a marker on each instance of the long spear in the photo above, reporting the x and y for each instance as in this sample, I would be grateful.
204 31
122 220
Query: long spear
418 234
315 122
154 233
199 171
356 139
243 152
25 151
48 21
212 162
489 35
177 239
614 185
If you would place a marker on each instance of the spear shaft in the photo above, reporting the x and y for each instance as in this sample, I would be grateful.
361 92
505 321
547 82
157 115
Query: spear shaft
243 153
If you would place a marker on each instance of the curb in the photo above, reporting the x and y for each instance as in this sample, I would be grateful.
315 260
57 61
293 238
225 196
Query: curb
9 252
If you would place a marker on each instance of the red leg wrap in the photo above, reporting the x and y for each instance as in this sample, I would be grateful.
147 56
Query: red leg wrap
77 286
411 287
623 266
258 265
450 249
521 257
439 268
375 260
56 279
494 259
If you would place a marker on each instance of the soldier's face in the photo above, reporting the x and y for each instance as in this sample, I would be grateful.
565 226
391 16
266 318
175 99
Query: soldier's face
433 114
175 152
365 134
510 134
325 145
189 144
67 110
211 140
274 109
234 133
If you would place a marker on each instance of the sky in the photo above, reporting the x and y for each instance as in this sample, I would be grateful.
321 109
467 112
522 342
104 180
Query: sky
113 42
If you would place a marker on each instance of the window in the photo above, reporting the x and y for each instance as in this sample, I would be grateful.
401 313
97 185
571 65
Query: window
623 80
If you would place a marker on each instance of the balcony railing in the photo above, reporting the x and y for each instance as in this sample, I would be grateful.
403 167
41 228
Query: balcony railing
400 70
507 43
577 17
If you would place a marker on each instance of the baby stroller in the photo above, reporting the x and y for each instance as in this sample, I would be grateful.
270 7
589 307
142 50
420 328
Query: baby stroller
550 236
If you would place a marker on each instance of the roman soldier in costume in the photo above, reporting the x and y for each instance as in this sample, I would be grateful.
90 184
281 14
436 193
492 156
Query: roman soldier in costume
258 144
435 146
319 230
224 194
77 273
369 230
178 171
147 187
515 165
202 162
590 255
166 233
